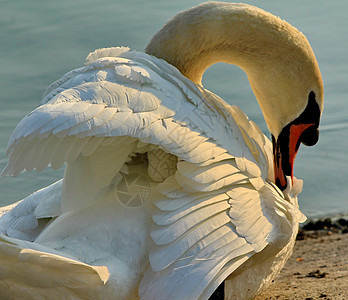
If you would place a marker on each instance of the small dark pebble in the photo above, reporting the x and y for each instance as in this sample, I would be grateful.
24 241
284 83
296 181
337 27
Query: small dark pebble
343 222
317 274
322 295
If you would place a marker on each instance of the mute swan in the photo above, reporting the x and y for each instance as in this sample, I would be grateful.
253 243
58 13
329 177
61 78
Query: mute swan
168 191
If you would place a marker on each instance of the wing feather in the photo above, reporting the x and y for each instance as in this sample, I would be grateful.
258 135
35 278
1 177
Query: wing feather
163 256
208 173
165 218
91 146
168 233
173 203
61 152
47 152
98 120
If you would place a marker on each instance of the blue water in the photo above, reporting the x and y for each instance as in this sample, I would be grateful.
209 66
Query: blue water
41 40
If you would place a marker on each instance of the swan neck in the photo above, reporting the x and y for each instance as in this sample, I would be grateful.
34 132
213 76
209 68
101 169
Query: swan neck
219 32
276 57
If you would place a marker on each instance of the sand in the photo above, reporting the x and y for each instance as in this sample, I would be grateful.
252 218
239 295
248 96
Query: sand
318 268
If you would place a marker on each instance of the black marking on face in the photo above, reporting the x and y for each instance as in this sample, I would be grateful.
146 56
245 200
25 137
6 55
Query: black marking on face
283 154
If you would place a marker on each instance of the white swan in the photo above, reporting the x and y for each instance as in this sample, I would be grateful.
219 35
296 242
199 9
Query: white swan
168 191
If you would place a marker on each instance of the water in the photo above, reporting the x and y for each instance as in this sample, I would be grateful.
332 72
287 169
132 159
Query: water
41 40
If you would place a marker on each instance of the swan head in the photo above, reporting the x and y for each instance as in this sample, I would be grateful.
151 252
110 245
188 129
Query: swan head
289 89
277 58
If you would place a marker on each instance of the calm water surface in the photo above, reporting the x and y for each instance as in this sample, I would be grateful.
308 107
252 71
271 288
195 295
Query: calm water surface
41 40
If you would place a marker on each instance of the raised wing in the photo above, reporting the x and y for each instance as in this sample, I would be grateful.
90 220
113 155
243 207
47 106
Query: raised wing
132 95
215 208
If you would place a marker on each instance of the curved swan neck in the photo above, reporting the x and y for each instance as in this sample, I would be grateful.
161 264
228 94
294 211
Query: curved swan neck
215 32
272 53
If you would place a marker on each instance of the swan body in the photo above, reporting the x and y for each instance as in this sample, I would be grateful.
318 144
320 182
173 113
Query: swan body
168 190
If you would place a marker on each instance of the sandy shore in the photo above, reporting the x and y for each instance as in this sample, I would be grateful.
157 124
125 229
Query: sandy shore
318 268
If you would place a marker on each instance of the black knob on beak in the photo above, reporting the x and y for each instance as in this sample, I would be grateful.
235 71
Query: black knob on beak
310 136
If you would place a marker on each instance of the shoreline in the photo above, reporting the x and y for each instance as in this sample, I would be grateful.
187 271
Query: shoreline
318 268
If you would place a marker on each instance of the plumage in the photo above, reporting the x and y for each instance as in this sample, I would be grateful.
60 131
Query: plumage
168 190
